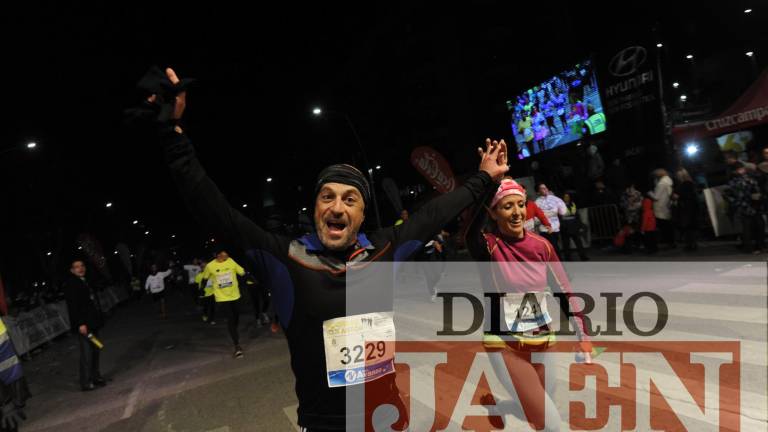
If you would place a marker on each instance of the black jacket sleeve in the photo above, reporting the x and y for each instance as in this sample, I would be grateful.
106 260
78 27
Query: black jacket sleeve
474 239
436 214
76 304
209 205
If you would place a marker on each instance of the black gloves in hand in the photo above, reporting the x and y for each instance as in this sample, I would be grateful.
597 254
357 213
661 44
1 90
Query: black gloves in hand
12 416
159 113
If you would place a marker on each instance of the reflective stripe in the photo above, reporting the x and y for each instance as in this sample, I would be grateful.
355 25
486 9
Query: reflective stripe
3 338
9 363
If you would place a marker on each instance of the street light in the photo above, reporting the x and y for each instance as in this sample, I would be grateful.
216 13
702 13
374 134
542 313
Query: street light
146 232
378 167
659 45
689 56
691 149
683 98
109 204
317 111
303 209
135 222
245 205
49 254
269 179
675 84
750 53
29 146
746 11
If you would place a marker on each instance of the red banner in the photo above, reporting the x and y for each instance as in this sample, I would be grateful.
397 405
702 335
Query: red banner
433 166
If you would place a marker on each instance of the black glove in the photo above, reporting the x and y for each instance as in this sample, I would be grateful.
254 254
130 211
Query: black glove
12 416
160 113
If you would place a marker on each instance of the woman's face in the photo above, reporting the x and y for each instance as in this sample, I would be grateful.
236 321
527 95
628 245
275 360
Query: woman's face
510 215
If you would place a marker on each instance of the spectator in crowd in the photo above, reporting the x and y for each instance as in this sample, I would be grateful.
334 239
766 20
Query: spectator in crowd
595 164
648 226
762 177
662 196
632 205
686 205
631 209
534 216
744 196
603 195
403 217
86 318
571 228
553 208
732 158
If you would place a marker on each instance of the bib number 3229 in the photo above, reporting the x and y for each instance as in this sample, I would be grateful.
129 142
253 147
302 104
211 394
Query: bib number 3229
359 348
372 350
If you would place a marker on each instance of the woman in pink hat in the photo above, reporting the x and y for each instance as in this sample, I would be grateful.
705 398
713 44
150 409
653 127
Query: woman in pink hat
521 263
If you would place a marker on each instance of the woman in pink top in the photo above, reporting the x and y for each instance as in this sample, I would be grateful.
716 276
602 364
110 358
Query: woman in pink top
530 260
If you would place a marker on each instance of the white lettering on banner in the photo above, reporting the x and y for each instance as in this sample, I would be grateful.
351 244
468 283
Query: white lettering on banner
648 385
613 108
756 114
422 379
610 362
429 166
629 84
481 366
683 404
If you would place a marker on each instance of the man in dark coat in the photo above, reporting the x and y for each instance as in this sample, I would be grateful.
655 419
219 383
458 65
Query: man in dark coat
86 318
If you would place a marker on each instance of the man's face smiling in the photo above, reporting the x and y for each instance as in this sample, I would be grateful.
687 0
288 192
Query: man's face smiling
339 212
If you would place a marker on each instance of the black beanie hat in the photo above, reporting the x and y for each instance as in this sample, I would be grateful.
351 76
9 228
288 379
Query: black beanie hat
344 174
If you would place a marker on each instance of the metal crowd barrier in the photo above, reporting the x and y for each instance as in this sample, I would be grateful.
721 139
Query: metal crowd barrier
604 221
42 324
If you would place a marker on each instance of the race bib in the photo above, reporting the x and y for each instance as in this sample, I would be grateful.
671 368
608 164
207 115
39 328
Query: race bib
526 311
359 348
224 280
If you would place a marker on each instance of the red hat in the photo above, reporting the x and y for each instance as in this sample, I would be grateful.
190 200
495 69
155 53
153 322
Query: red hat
507 187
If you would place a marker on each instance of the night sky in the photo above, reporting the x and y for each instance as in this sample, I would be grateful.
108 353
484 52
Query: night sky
408 74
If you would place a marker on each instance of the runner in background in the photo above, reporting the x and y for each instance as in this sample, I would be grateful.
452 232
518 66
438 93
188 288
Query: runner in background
223 271
205 294
155 285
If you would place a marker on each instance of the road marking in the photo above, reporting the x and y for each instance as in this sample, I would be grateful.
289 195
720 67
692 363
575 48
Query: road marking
133 398
290 412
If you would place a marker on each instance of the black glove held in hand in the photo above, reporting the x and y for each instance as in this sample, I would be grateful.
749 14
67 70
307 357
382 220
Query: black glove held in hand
157 114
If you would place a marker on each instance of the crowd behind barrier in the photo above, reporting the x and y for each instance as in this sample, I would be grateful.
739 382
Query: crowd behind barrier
31 329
